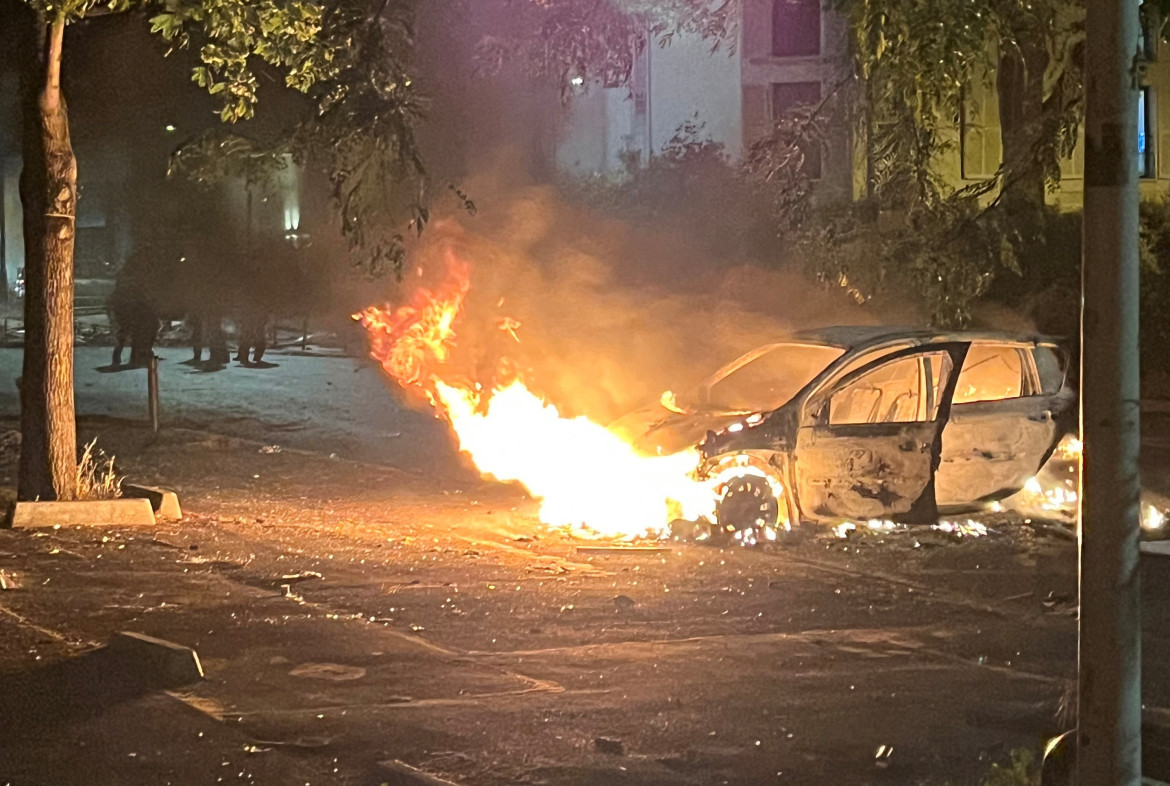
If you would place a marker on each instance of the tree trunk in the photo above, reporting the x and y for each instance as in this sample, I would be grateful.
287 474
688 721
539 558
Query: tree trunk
1020 89
48 460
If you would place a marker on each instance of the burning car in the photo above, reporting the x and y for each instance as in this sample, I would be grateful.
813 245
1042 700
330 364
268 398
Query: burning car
868 423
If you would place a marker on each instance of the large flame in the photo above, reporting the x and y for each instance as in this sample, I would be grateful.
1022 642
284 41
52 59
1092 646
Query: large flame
582 473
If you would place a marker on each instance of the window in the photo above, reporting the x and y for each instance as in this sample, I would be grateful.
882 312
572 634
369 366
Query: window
787 96
771 379
990 373
979 138
1145 148
1050 369
893 393
796 28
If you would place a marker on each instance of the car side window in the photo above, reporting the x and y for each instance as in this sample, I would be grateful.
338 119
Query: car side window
891 393
907 390
991 372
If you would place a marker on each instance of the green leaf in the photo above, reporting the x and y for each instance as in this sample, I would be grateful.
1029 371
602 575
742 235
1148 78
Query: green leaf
164 24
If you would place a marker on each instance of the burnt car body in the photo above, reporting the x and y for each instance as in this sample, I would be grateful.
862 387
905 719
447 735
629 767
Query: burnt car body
869 423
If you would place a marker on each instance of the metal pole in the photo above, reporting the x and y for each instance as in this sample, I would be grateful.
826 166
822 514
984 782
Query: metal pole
3 242
152 392
1109 669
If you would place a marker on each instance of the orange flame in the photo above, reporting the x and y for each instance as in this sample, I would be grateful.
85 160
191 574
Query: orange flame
582 473
411 341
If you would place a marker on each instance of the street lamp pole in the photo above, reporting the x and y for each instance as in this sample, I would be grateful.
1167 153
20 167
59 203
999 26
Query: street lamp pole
1109 668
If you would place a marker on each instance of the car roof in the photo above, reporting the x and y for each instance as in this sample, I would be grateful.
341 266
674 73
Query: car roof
860 336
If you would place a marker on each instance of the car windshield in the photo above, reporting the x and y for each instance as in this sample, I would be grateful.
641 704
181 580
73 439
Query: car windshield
770 379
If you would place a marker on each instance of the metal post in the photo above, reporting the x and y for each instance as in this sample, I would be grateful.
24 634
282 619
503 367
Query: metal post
1109 700
3 243
152 391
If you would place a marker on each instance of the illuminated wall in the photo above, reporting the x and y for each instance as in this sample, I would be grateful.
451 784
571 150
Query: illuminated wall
601 128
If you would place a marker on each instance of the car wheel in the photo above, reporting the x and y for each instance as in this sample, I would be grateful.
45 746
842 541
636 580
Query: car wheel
748 510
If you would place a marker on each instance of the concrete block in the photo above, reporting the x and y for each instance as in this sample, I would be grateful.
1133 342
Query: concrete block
98 512
397 773
164 501
160 663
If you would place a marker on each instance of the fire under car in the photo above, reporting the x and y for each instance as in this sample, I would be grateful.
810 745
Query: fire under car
868 423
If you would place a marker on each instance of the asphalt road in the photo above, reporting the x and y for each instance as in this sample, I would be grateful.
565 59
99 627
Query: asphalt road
450 630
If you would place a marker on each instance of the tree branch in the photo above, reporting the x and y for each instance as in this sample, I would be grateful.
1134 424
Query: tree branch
50 100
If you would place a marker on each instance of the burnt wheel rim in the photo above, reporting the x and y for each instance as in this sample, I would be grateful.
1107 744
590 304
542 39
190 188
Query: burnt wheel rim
749 507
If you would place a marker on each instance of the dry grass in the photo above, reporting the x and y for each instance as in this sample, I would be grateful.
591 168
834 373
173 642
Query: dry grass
96 478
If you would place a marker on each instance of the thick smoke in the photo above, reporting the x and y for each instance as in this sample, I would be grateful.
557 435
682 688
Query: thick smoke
611 313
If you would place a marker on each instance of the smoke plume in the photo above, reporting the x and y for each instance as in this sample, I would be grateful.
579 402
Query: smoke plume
601 315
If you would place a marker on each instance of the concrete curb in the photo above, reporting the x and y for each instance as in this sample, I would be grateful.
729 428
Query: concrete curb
162 663
43 699
397 773
1155 548
90 513
164 501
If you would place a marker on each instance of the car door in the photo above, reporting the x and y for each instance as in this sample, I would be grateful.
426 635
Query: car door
869 444
1006 417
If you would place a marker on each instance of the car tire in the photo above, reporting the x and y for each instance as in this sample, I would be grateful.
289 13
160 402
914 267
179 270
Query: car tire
748 507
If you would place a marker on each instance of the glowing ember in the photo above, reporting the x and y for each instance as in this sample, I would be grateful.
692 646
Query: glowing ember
1055 491
582 473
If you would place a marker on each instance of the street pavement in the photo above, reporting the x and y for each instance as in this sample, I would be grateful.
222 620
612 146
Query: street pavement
348 614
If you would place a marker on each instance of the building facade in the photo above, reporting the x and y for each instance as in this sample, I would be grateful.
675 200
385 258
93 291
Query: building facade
604 129
794 52
790 52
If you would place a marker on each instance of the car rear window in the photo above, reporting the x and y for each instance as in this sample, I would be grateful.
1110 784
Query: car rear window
1050 369
991 372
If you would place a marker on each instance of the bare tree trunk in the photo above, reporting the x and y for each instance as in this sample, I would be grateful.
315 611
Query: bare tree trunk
48 460
1020 89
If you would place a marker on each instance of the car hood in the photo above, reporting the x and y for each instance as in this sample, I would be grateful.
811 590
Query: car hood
656 431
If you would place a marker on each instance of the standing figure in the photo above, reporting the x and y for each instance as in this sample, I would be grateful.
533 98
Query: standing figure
195 325
207 331
135 321
217 348
253 341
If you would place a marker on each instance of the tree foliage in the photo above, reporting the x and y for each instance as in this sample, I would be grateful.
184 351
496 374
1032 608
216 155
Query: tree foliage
905 93
598 40
350 58
1020 770
917 62
693 190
